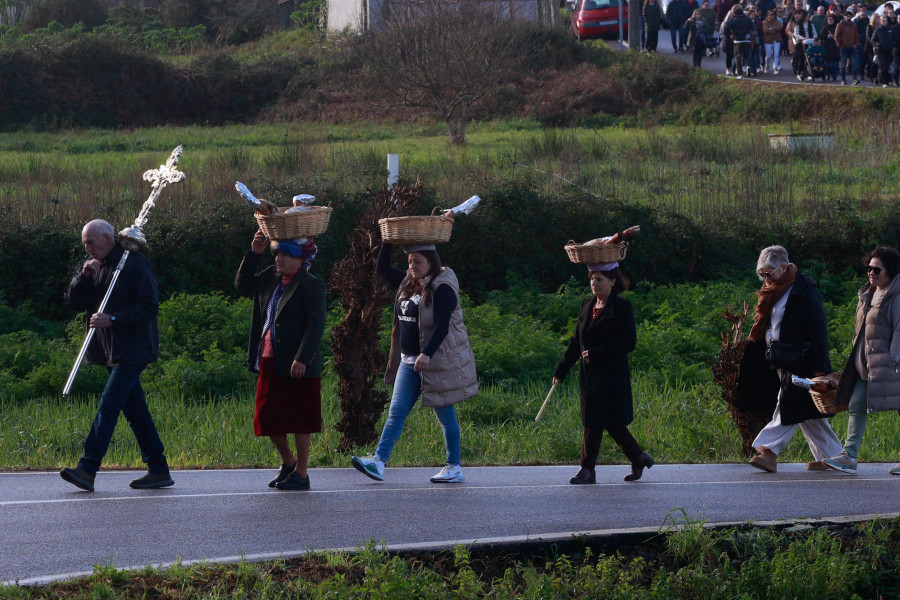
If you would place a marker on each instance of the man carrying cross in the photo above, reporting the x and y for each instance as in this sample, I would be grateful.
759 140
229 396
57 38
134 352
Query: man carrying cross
126 341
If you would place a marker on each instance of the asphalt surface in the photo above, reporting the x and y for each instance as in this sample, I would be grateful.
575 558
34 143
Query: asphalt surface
52 530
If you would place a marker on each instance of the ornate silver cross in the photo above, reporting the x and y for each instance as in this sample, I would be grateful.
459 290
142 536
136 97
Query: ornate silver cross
132 238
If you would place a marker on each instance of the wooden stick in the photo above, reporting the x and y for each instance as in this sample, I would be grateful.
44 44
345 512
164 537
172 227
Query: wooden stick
546 401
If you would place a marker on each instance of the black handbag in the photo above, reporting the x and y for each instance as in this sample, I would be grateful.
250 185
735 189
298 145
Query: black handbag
786 356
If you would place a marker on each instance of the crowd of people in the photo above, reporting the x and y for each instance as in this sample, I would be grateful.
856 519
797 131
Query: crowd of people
431 358
843 42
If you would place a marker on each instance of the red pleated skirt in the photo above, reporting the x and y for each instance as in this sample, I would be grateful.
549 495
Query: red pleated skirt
286 405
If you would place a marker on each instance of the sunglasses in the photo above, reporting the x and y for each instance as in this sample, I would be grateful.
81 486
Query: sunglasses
874 270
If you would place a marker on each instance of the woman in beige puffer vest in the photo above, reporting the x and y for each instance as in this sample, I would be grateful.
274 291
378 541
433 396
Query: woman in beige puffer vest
430 355
871 380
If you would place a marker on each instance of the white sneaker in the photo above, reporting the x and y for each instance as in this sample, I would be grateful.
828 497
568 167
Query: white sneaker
369 466
449 474
895 470
842 462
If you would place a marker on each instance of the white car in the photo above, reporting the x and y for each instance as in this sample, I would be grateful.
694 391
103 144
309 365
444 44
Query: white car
880 10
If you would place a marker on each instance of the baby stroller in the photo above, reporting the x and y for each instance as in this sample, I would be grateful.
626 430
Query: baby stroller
713 41
815 66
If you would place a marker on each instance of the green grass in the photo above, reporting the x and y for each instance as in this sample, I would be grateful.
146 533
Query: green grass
702 172
676 424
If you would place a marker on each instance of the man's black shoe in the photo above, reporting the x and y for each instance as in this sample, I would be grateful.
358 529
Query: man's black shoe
294 482
152 481
79 478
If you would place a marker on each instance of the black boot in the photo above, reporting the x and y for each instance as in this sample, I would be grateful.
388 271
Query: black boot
584 476
637 468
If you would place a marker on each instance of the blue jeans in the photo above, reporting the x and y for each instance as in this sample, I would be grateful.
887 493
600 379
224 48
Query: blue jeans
856 424
407 387
123 394
849 55
678 35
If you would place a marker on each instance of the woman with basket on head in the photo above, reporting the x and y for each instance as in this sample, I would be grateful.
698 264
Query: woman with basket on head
604 335
286 329
789 337
870 381
429 356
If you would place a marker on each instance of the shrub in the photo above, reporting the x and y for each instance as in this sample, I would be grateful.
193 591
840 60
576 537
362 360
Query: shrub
510 348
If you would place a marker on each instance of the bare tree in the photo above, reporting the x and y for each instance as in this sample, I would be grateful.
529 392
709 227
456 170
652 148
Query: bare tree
726 372
358 361
443 56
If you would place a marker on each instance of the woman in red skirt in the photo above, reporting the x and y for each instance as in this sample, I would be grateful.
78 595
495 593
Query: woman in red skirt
285 335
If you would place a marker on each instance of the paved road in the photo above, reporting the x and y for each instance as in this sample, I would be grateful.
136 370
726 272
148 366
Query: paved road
49 529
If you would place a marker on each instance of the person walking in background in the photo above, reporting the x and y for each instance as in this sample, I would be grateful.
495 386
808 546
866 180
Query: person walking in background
895 66
883 45
756 52
604 335
709 16
652 15
723 8
861 21
727 46
846 36
870 381
772 31
676 14
126 341
871 58
697 32
785 12
789 337
799 30
832 53
739 28
286 328
430 355
817 17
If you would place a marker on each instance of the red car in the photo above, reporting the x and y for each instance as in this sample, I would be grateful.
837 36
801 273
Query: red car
593 18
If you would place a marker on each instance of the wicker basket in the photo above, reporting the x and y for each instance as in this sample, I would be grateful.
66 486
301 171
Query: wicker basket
824 401
416 230
604 253
290 226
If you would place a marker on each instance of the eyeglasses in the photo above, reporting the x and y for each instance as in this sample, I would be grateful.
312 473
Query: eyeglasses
873 270
767 274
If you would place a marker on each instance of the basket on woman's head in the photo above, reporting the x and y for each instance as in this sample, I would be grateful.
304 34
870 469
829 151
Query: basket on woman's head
403 231
434 229
607 249
302 220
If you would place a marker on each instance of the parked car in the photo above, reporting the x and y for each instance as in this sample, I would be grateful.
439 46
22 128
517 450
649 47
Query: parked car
594 18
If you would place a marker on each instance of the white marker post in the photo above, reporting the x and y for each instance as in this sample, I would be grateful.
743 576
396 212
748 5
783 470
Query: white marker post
393 167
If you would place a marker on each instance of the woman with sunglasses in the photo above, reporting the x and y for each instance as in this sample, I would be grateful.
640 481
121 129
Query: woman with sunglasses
772 28
789 337
871 380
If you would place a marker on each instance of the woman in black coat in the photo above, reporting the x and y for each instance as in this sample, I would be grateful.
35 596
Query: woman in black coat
604 335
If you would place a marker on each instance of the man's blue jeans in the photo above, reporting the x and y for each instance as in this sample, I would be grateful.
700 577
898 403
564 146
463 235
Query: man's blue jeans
849 54
407 387
678 35
124 394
